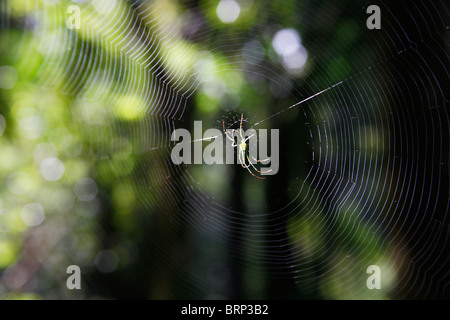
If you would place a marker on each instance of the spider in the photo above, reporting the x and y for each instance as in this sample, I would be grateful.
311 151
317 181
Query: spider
242 155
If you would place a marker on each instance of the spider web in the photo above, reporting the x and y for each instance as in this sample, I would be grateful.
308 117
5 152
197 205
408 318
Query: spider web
363 149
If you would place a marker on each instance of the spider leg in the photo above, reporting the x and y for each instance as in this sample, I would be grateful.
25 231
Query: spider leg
248 169
245 140
240 128
227 134
242 158
263 160
247 166
251 164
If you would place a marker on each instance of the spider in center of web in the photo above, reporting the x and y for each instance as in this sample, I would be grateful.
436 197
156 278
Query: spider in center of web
242 149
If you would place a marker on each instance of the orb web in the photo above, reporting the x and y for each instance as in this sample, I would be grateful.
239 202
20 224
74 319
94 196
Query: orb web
363 138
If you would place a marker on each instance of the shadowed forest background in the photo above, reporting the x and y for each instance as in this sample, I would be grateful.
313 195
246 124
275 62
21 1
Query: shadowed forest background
86 116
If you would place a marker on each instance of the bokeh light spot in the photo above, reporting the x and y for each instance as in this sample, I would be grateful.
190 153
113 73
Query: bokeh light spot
85 189
228 11
106 261
32 214
52 169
